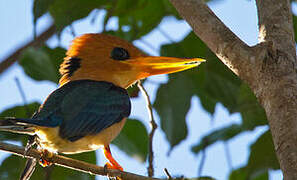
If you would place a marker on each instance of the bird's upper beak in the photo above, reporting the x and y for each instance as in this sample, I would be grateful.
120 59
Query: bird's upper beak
153 65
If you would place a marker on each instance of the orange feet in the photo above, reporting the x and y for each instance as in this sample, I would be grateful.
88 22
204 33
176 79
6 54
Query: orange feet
112 164
44 160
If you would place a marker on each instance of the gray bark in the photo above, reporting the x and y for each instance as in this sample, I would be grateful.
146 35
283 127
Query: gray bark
270 67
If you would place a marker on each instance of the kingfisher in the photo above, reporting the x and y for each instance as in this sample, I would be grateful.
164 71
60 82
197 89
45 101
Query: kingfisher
91 104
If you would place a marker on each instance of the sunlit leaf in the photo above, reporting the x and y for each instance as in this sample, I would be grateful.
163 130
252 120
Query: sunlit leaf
133 139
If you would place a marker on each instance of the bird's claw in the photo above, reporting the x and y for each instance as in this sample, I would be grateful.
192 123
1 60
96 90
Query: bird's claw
45 157
110 166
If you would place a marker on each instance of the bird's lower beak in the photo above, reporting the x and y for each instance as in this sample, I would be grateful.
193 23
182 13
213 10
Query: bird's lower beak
153 65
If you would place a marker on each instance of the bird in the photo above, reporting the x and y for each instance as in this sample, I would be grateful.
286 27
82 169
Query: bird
91 105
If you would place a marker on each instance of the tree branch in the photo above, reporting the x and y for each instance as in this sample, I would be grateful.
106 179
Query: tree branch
154 127
270 68
74 164
38 41
278 95
220 39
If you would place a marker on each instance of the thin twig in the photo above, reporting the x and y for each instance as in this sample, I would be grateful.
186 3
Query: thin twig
109 15
94 16
154 127
167 174
201 163
72 30
228 156
167 36
73 163
38 41
23 96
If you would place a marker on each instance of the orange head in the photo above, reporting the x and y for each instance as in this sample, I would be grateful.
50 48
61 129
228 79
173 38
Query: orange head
103 57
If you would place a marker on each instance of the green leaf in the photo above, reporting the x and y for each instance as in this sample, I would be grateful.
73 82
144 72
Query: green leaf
12 167
262 157
133 139
172 104
252 113
40 7
64 12
222 134
8 168
213 83
139 17
43 63
19 112
241 173
69 174
135 17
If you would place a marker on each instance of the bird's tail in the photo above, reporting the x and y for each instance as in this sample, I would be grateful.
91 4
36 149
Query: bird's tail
17 125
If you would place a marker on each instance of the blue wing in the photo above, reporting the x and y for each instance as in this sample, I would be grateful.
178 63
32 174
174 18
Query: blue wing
83 108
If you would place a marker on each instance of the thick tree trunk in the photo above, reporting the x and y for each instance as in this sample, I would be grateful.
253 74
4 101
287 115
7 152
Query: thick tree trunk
270 68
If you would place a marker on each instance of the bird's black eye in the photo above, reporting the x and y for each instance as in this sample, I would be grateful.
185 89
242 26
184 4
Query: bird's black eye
119 54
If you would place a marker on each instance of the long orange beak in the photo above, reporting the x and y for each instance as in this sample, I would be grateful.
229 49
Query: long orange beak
153 65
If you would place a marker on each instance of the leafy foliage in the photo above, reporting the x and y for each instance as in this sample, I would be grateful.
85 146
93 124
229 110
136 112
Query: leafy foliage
135 17
213 83
8 169
262 158
173 115
33 62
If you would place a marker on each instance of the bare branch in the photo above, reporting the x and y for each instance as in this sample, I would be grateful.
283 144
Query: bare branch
154 127
203 156
22 93
38 41
74 164
167 174
279 93
270 68
228 155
